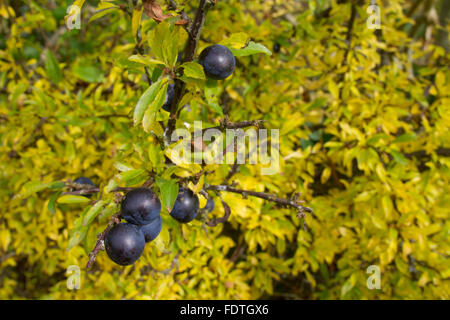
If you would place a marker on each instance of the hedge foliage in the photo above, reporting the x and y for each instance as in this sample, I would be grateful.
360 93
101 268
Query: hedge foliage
364 120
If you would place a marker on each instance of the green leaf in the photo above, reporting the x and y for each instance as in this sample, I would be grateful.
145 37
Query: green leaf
123 62
251 48
164 235
145 100
348 285
108 211
88 73
155 155
155 105
131 176
136 20
309 72
235 40
103 9
52 68
77 237
217 108
212 92
70 198
57 185
111 185
163 41
52 202
199 83
18 90
377 137
407 137
146 60
34 186
122 166
93 212
193 70
169 192
317 103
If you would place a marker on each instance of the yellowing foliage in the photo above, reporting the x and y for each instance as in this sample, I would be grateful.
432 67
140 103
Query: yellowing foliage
364 136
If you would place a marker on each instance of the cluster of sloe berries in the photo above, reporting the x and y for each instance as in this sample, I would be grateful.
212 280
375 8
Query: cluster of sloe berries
141 208
218 63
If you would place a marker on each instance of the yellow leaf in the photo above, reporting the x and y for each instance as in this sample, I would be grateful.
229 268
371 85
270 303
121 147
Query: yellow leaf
5 239
136 20
440 81
325 175
236 40
333 88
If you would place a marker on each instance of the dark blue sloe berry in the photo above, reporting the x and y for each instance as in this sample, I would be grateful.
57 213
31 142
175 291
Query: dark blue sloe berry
140 206
218 62
276 47
124 243
169 97
83 180
152 230
186 206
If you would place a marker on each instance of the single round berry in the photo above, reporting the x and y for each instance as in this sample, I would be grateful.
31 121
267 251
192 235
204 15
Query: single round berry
124 243
218 62
209 206
276 47
152 230
169 97
186 206
83 180
140 206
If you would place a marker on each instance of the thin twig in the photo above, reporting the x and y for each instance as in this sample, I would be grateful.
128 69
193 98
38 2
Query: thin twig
270 197
234 169
82 191
95 190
